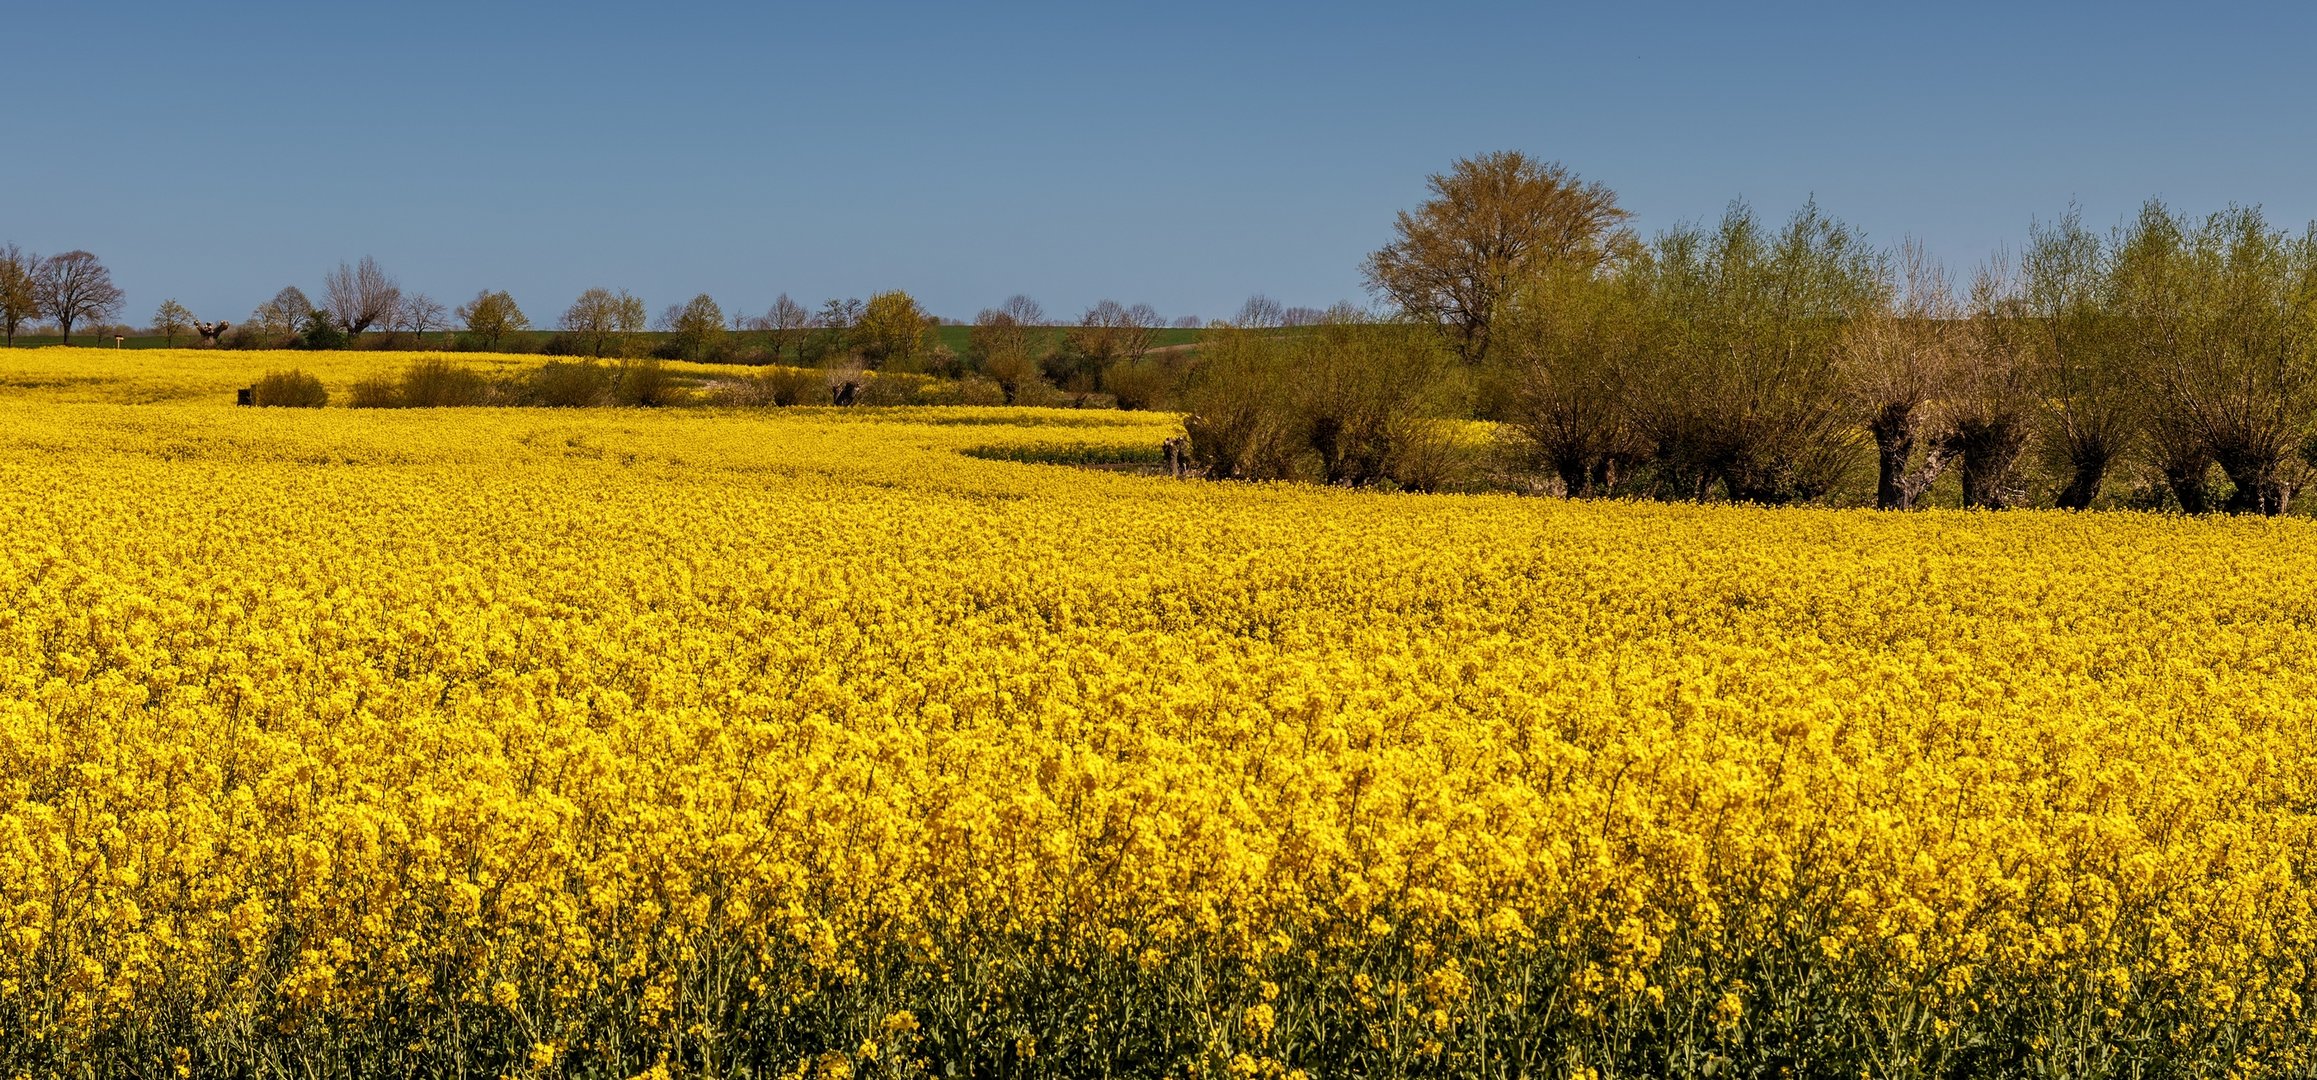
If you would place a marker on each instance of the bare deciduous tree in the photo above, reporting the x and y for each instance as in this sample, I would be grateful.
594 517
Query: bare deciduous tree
601 319
74 288
360 296
1110 330
284 315
785 322
1260 312
1008 343
1491 220
418 314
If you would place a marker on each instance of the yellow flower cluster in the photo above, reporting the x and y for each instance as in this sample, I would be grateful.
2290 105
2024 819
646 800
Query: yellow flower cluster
507 742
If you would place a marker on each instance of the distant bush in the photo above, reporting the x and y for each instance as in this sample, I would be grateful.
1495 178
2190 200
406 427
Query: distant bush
436 383
249 336
1070 453
785 386
291 390
375 393
321 333
566 385
646 383
386 341
1141 384
1037 393
975 390
894 388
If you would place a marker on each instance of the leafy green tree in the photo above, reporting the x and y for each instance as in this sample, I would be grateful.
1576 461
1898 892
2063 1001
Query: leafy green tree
492 316
893 333
1745 328
696 327
2220 319
171 320
322 332
1353 401
1570 342
2092 399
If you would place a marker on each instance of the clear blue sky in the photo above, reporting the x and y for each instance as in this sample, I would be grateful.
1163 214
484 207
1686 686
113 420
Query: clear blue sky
1183 155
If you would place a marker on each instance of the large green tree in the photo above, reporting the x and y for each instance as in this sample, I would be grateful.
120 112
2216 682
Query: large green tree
893 334
492 316
172 319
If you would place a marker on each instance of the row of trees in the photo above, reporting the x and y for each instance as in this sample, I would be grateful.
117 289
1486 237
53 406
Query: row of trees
1769 364
1761 364
888 331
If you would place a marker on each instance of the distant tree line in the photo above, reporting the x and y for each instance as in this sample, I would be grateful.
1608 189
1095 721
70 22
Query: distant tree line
2169 362
1105 358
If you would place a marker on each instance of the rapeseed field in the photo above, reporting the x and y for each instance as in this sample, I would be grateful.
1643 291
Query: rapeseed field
720 743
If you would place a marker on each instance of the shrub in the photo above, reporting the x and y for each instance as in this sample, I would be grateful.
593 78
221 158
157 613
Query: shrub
975 390
567 385
889 390
1140 384
795 386
646 384
291 390
435 383
375 393
321 333
1351 401
249 336
1037 393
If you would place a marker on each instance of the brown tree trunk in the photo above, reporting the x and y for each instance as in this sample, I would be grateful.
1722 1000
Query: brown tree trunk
1988 449
2260 489
2088 464
1894 434
2184 473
